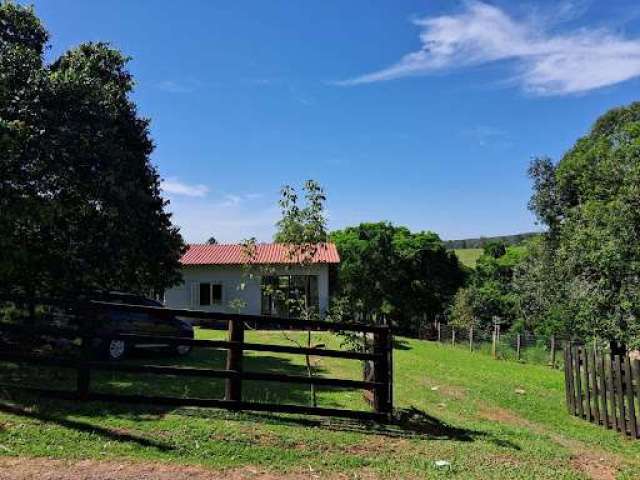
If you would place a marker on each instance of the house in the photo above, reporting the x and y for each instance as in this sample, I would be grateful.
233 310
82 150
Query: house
215 278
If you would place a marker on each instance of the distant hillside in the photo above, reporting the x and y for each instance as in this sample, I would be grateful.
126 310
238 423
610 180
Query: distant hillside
480 242
468 256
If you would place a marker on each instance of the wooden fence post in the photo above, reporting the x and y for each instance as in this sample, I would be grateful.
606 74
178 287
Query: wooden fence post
494 339
635 374
471 339
84 371
633 425
518 347
233 385
553 352
616 368
593 359
382 402
587 380
603 390
439 331
568 380
578 382
610 380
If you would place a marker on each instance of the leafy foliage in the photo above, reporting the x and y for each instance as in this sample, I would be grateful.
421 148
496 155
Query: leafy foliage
590 201
490 292
388 270
80 203
462 312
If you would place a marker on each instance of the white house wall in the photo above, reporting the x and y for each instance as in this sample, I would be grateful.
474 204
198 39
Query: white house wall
231 277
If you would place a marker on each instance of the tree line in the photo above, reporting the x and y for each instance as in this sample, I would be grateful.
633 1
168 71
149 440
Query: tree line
581 277
480 242
81 208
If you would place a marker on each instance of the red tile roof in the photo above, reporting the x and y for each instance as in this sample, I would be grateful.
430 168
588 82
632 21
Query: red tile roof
266 253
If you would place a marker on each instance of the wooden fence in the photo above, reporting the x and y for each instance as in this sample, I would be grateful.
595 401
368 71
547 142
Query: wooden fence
603 389
234 374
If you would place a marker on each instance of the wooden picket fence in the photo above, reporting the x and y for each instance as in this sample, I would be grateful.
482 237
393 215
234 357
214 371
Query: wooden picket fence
603 389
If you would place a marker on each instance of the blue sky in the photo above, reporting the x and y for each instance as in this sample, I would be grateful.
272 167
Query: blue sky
423 113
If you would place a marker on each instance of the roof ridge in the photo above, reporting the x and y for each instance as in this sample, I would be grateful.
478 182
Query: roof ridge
257 244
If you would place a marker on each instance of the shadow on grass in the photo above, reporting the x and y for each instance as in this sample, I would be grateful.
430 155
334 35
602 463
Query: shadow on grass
405 423
409 423
106 433
400 344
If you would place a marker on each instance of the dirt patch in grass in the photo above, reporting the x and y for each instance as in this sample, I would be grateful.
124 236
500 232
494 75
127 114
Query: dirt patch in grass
501 415
596 465
20 468
451 391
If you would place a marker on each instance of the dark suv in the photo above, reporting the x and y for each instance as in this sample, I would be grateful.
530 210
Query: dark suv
111 320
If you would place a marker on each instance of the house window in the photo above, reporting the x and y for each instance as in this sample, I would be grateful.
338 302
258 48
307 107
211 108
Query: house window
282 294
210 294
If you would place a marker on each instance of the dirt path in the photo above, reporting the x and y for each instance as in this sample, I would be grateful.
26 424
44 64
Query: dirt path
596 464
21 468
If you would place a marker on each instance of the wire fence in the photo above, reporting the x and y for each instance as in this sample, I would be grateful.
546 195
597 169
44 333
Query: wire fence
521 347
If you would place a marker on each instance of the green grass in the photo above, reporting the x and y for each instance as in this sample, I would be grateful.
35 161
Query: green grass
457 406
468 256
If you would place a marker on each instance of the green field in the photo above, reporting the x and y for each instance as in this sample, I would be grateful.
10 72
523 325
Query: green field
468 256
487 418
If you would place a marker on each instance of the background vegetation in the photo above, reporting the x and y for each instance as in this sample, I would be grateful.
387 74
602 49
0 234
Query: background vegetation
80 204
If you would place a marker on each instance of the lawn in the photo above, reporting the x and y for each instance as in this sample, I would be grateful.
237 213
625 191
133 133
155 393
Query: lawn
486 418
468 256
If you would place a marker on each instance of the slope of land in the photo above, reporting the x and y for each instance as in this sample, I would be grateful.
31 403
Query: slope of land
468 256
484 418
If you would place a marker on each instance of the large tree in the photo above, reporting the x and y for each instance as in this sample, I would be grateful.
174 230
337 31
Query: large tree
590 202
389 270
80 204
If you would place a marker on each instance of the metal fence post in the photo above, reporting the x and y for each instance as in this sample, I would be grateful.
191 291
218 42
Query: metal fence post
518 347
453 335
471 339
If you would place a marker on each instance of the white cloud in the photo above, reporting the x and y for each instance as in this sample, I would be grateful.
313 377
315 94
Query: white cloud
232 200
175 87
175 187
547 63
200 219
228 217
486 135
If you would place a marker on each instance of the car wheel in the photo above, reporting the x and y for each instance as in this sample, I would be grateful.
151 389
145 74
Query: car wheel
183 350
116 349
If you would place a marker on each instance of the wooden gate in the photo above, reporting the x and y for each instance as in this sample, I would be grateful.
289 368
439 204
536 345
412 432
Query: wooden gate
234 374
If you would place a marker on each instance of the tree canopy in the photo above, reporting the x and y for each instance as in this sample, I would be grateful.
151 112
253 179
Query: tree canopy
490 294
590 202
390 270
80 203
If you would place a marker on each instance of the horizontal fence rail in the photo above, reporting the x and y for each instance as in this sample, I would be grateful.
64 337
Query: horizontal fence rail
603 388
84 360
